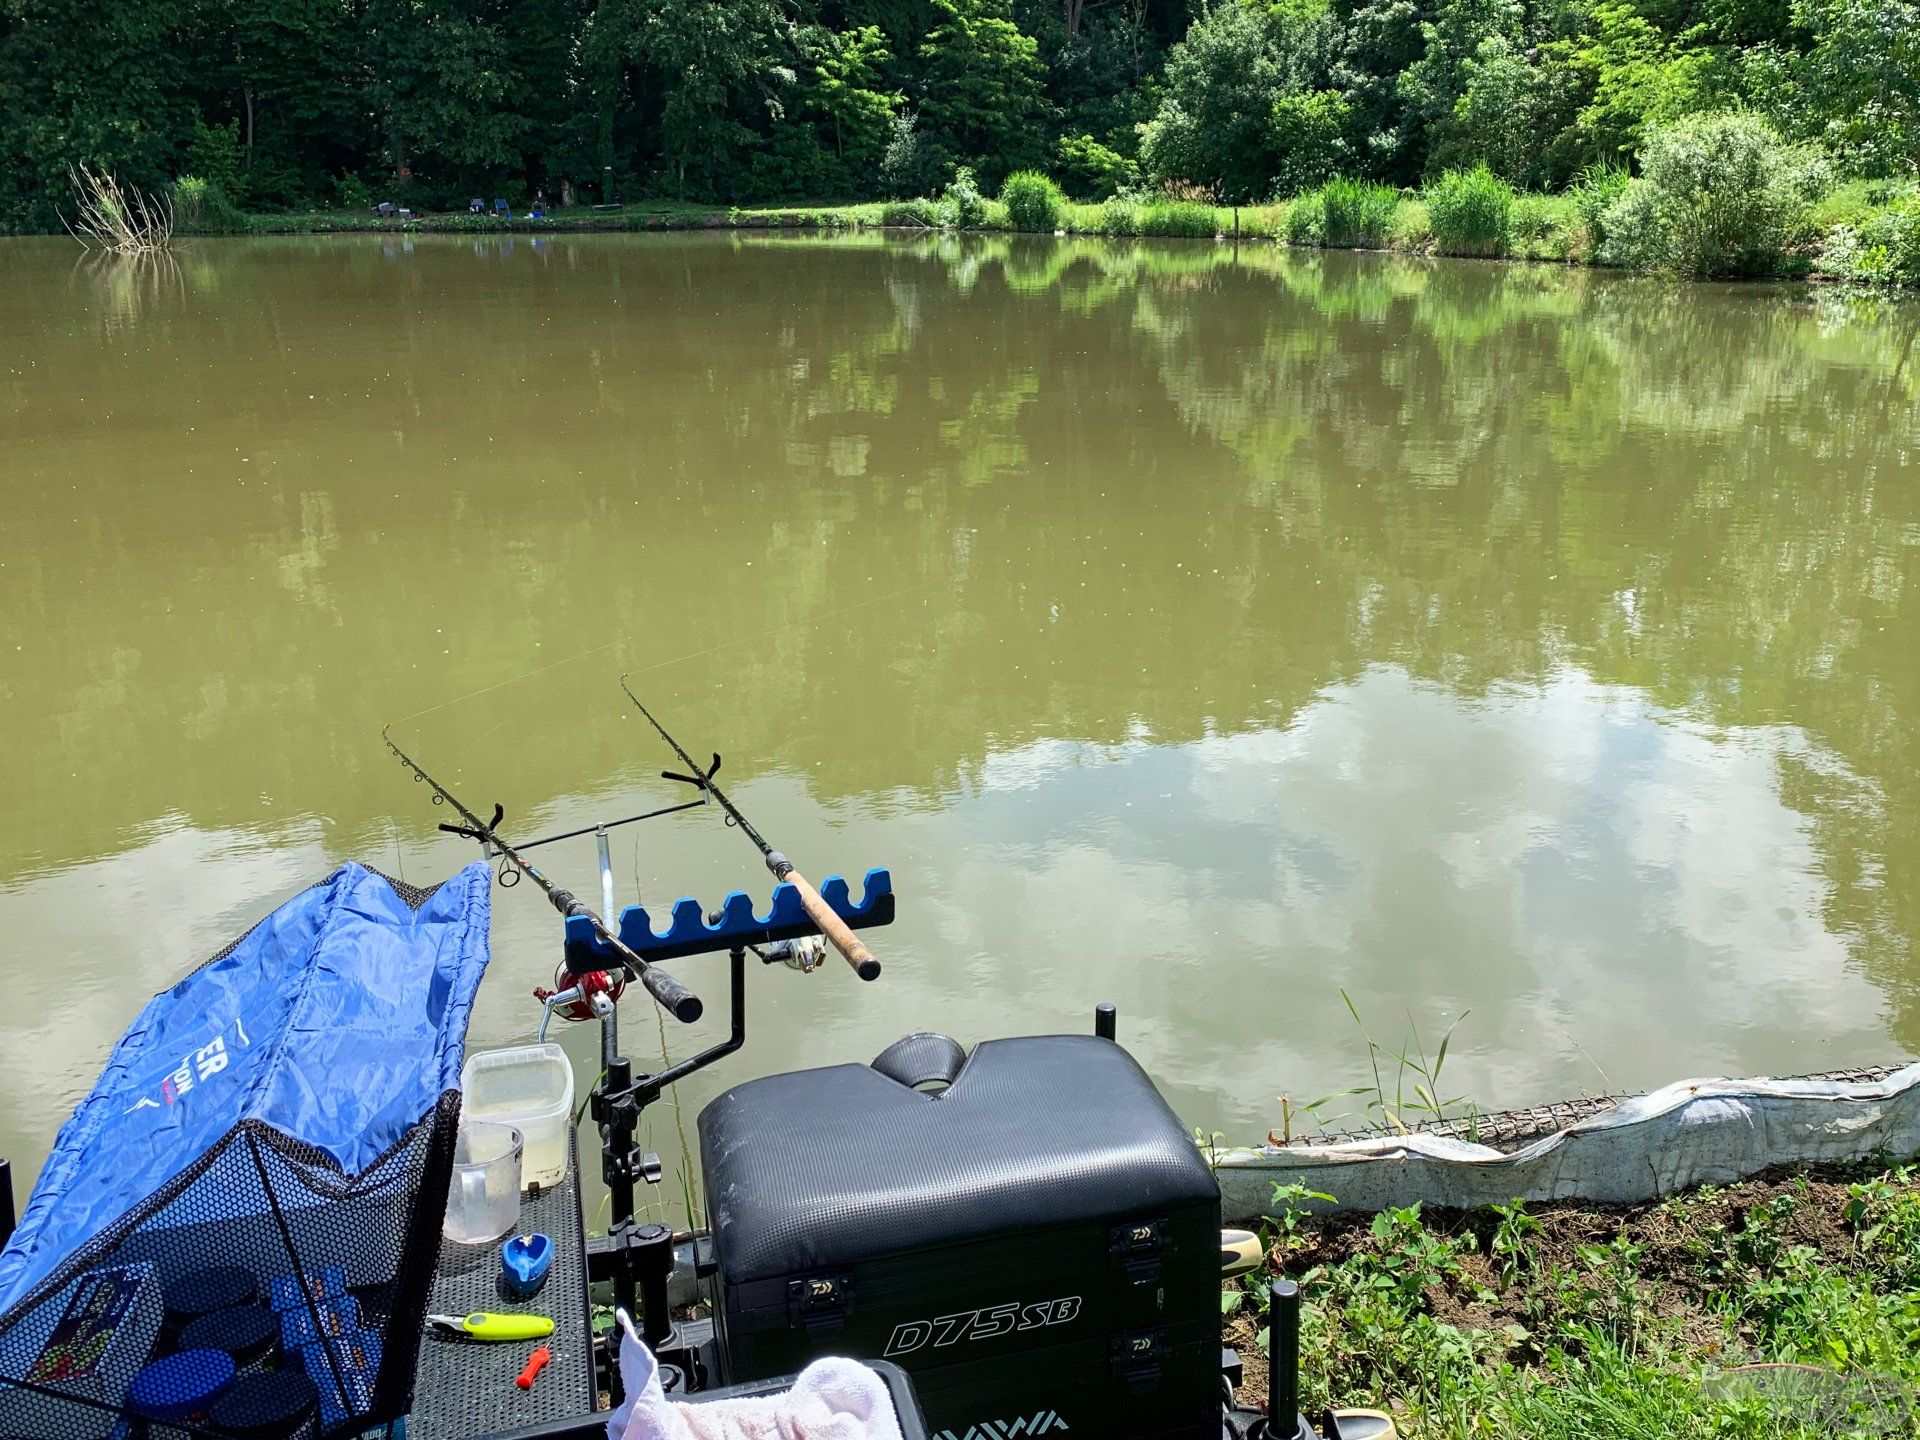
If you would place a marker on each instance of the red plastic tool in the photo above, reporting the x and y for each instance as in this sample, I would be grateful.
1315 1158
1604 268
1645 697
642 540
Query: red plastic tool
536 1362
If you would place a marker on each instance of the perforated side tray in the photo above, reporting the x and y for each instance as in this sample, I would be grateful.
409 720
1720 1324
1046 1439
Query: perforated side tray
465 1388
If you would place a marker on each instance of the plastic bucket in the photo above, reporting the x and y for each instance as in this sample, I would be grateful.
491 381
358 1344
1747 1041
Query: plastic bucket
529 1087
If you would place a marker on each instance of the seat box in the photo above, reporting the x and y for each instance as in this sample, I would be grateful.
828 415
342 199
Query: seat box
1037 1243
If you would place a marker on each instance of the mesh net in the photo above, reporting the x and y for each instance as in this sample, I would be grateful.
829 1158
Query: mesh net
342 1263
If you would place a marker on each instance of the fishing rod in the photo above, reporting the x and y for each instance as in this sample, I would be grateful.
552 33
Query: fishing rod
830 925
674 998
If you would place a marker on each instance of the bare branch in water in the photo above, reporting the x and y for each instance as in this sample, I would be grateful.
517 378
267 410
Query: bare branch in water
115 217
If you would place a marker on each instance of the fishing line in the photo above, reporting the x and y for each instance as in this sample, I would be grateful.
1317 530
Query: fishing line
674 997
837 931
514 680
701 654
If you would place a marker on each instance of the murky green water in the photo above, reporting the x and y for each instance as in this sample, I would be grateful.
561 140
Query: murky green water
1200 632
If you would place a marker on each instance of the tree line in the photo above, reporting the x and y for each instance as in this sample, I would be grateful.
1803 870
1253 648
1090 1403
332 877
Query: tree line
288 104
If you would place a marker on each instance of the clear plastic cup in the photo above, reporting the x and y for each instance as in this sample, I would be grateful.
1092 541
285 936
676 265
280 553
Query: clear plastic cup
483 1203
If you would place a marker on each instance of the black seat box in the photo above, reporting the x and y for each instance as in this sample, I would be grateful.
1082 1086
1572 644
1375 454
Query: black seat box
1038 1243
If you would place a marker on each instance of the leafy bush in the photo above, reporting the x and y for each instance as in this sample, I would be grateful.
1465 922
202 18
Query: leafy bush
1594 189
908 165
1213 124
1343 213
1472 212
1185 219
1308 135
201 207
1884 249
1412 227
1542 227
213 154
1305 222
1092 170
1718 195
1033 201
1852 203
1119 216
963 207
912 214
350 192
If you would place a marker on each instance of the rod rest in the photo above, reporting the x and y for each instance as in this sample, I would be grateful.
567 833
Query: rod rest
691 932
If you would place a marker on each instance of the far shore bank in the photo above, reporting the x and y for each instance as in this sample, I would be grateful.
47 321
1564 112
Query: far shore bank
1540 228
1552 232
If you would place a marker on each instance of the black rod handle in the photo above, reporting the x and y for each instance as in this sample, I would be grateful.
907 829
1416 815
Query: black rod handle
9 1217
676 999
1106 1021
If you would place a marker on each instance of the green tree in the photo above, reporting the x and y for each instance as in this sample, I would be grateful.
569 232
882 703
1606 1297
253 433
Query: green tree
845 88
282 74
443 89
1434 85
1860 82
980 78
100 82
1100 65
1308 133
213 154
715 65
1517 112
1091 171
1638 78
1380 40
1240 92
1750 22
543 39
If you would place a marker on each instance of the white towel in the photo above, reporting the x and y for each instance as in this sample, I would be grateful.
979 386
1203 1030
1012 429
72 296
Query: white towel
832 1399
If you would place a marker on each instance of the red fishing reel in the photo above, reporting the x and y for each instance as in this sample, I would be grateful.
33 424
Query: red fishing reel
581 989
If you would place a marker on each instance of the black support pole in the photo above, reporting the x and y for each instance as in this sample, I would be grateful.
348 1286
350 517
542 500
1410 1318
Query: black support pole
1106 1021
1283 1361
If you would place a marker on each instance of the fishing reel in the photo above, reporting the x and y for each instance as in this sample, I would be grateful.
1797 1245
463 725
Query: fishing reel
572 996
805 953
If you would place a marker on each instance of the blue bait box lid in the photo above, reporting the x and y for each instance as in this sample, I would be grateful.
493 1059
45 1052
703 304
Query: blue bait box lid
184 1383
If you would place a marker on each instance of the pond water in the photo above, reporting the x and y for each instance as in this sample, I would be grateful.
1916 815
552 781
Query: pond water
1210 632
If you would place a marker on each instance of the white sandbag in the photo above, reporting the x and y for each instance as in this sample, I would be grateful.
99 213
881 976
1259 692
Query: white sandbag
1696 1132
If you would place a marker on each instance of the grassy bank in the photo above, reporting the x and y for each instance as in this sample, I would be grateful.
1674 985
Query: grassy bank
1860 232
1585 1321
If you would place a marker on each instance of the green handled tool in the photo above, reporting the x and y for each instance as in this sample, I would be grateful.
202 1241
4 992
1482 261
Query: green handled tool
489 1325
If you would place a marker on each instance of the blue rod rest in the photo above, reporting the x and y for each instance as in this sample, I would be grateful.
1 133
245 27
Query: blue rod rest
688 932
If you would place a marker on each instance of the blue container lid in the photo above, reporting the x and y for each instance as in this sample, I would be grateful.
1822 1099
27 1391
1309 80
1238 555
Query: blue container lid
266 1407
201 1292
183 1384
245 1332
